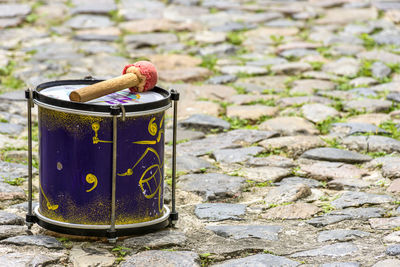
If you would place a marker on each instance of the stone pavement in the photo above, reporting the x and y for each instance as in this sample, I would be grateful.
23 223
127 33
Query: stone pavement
289 111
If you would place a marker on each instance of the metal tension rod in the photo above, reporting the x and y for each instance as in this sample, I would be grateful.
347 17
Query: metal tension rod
111 233
174 213
30 218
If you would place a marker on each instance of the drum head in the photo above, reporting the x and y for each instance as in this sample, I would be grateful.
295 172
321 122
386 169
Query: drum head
56 95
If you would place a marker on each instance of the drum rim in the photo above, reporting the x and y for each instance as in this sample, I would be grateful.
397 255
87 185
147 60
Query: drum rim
91 108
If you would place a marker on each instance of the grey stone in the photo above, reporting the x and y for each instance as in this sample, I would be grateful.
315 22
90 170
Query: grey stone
298 53
236 155
340 235
299 180
10 22
149 39
318 112
355 128
341 264
363 81
233 26
7 231
327 220
395 96
22 258
262 174
267 62
86 255
387 263
14 10
362 92
293 145
11 171
250 70
380 70
336 155
387 38
384 223
183 135
9 192
343 66
151 9
284 23
355 199
251 112
291 68
289 126
368 105
219 211
392 237
211 185
18 95
325 171
334 250
358 29
384 87
287 193
109 34
205 123
299 100
192 164
232 139
22 207
268 232
348 184
393 250
156 240
34 240
10 219
93 7
218 50
380 55
163 258
260 260
360 213
222 79
372 143
272 161
291 212
10 129
80 22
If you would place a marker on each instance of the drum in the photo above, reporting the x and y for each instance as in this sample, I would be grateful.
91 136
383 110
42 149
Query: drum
78 145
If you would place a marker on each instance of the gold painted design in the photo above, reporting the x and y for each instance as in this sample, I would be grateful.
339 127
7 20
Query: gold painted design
150 180
152 127
91 179
95 128
48 204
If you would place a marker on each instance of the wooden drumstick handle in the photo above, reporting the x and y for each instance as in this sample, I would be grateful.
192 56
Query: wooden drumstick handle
104 88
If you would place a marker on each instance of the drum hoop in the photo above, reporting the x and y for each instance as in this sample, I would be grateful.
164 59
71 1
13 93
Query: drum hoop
92 109
103 227
100 114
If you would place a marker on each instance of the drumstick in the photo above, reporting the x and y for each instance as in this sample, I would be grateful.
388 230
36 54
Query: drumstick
138 77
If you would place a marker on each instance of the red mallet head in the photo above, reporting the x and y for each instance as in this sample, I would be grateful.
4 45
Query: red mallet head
147 74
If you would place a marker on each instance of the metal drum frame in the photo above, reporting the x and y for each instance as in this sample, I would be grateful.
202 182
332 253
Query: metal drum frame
111 231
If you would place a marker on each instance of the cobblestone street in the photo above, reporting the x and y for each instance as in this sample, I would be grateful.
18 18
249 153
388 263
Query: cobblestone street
288 137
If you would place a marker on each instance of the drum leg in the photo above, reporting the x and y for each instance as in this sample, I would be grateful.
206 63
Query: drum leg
30 218
174 213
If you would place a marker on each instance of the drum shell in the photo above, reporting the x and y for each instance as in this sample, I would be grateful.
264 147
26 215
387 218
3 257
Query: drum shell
76 167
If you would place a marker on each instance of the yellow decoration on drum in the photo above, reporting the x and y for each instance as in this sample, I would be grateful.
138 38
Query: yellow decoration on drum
48 204
150 185
152 127
96 140
91 179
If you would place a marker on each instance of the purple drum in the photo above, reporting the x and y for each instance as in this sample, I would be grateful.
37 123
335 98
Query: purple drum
76 159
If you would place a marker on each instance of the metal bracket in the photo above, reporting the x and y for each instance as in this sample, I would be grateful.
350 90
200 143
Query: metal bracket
30 218
174 213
